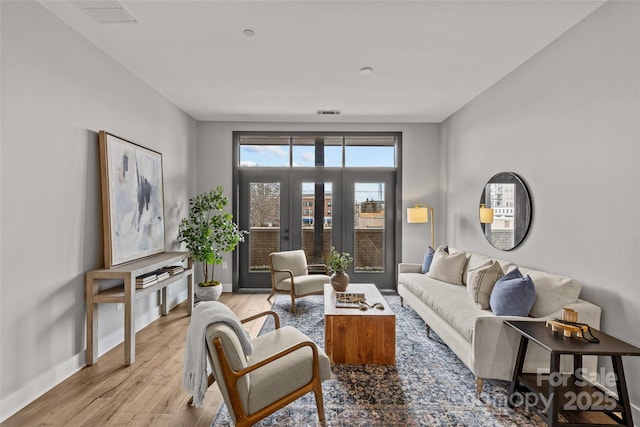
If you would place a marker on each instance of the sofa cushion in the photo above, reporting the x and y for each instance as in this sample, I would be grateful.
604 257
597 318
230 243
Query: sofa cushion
447 267
552 292
449 301
512 295
480 282
473 262
428 257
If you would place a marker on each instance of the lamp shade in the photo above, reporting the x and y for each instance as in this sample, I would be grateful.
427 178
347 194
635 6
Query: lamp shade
486 215
417 215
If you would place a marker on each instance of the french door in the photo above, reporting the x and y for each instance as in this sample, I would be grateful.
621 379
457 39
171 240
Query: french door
316 209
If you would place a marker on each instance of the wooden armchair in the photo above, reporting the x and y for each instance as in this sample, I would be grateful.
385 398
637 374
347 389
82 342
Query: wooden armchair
290 275
283 366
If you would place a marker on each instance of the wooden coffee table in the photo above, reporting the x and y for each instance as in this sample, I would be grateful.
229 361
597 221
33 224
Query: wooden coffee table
354 336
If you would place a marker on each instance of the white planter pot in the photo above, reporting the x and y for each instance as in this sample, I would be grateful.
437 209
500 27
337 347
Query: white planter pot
208 293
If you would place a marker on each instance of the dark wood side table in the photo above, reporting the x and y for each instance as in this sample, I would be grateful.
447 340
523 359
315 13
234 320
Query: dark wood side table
579 401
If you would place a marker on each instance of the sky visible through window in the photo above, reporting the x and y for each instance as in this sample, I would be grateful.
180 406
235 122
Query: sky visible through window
304 156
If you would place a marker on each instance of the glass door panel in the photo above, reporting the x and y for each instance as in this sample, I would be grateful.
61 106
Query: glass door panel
263 209
264 223
316 220
371 212
368 226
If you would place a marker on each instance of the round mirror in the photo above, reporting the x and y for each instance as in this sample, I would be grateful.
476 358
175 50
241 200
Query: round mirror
505 211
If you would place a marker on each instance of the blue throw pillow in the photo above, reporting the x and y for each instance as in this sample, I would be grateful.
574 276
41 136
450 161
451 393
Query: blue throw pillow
513 295
428 257
512 274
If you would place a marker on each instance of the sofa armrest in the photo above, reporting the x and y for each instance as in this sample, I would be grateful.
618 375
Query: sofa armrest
495 345
406 267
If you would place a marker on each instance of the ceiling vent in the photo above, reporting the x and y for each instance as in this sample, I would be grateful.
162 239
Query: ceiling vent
328 112
106 11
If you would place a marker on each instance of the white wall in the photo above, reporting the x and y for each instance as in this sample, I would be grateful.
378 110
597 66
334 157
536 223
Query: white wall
568 122
421 178
58 90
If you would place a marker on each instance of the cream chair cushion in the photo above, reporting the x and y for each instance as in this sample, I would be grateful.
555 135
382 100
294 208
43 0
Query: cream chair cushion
235 355
285 375
305 284
273 381
296 261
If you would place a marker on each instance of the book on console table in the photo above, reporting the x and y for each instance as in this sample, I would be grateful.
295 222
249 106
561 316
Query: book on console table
349 299
146 284
147 277
173 269
146 280
161 275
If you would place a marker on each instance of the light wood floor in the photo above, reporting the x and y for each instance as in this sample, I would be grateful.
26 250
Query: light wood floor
147 393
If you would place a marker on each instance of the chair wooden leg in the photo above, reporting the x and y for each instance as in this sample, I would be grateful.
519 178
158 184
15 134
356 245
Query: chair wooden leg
428 330
293 304
271 296
317 391
479 386
401 302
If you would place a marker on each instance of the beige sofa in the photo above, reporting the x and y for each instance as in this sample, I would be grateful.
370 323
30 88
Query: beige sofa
478 337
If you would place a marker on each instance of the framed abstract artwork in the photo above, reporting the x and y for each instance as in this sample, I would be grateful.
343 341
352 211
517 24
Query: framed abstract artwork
132 200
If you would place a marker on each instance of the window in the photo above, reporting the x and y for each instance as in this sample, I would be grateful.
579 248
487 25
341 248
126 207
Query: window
264 151
361 151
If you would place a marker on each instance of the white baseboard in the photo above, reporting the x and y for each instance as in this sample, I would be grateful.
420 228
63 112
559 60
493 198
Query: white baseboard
635 410
227 287
40 385
52 377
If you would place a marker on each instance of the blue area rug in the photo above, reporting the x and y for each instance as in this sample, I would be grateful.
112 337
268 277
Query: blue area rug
428 386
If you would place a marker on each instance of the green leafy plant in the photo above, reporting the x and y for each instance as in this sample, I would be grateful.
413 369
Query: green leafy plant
339 261
209 231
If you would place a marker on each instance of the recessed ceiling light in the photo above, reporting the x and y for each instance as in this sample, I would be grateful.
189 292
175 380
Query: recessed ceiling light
365 71
249 32
328 112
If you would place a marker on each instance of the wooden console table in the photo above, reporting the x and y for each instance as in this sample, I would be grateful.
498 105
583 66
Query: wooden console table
126 293
580 402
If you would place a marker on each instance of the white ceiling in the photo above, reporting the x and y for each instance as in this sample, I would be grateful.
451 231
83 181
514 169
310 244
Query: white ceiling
429 58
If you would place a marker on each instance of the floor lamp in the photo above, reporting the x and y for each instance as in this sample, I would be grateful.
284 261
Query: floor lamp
419 214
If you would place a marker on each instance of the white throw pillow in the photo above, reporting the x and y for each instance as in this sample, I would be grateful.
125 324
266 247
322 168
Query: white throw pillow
552 292
447 267
480 282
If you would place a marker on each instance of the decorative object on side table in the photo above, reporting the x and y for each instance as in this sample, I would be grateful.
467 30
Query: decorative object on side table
208 233
338 262
569 324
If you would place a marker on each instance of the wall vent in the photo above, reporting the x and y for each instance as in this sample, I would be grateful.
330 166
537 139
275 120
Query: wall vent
328 112
106 11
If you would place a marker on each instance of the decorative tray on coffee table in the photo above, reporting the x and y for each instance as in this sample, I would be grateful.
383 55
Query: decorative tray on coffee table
349 299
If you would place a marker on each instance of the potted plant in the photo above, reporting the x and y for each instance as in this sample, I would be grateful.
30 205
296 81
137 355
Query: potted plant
338 262
209 232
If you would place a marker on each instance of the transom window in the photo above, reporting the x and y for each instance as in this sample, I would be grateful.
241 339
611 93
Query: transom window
360 151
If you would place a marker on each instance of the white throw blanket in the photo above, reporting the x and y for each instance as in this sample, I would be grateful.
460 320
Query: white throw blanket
194 370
